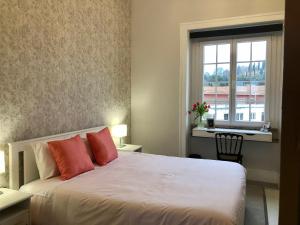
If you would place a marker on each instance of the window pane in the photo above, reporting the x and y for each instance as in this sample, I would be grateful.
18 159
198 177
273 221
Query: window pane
242 112
243 51
223 53
222 90
259 111
257 99
259 71
209 95
259 50
243 72
242 100
242 89
210 53
223 72
209 73
222 109
211 112
209 92
258 90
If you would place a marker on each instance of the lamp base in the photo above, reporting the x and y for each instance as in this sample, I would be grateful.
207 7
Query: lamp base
121 145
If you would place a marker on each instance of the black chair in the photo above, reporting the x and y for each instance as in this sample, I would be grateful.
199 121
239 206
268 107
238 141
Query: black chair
229 147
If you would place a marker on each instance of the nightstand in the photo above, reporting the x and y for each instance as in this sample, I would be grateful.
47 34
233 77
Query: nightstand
14 207
131 148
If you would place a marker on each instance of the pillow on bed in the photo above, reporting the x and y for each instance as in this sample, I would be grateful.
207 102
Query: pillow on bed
71 157
45 163
89 150
103 146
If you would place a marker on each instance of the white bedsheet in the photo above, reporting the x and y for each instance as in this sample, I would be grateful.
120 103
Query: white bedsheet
143 189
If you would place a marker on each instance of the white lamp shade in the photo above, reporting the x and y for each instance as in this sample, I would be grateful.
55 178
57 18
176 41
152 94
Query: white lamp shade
2 162
119 131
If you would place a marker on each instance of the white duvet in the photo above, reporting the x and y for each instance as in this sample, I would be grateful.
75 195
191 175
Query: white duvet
143 189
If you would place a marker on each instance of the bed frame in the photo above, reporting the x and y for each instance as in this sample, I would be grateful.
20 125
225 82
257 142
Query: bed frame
22 165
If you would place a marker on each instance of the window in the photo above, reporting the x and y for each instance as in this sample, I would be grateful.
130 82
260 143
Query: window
237 73
226 116
216 78
235 79
240 116
253 116
250 87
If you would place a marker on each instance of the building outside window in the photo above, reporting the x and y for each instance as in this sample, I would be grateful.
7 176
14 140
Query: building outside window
226 116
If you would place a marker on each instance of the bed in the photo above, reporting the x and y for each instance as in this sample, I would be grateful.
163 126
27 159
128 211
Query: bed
135 189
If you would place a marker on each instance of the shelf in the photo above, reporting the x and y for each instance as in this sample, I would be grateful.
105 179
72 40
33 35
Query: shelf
12 197
249 135
130 148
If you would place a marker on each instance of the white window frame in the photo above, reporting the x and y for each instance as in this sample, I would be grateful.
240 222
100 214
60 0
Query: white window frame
185 85
232 86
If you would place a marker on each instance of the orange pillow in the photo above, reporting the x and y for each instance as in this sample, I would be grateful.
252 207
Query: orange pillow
71 157
103 147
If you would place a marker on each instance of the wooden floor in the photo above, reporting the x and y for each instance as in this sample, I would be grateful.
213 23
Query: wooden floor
256 208
272 200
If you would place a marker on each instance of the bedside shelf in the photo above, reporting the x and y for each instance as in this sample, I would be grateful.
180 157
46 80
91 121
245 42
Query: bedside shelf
131 148
14 207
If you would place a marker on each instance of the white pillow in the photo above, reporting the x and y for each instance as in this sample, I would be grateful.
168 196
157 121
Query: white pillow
44 161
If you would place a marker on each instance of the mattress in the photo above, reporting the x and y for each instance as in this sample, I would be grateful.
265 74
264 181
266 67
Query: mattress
144 189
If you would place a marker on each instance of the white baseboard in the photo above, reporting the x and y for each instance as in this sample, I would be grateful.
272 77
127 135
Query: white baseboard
266 176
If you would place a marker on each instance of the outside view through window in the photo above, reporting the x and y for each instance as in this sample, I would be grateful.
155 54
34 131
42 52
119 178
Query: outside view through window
247 81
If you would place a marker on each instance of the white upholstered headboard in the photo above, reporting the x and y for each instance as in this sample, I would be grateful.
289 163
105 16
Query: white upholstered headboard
22 165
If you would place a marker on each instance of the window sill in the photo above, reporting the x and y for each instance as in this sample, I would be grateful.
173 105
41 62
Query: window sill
249 135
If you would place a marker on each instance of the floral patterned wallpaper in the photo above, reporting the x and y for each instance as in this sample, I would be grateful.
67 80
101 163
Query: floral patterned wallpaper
64 66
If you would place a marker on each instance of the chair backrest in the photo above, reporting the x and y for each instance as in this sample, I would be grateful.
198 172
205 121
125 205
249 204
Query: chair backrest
229 146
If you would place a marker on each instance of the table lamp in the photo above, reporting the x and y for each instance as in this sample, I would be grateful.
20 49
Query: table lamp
119 131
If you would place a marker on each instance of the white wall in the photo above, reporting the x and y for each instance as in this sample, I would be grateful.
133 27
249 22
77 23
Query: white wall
155 71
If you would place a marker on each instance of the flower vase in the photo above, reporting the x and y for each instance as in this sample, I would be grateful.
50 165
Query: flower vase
200 123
